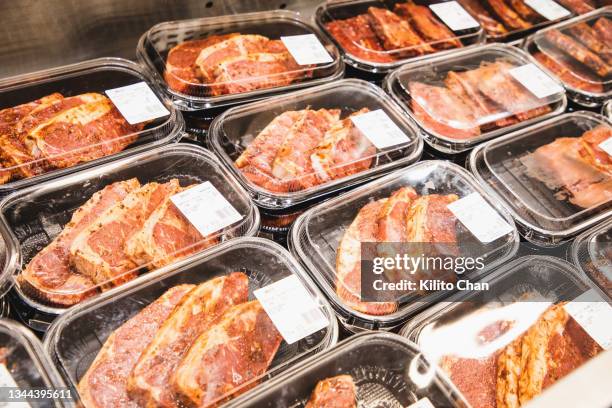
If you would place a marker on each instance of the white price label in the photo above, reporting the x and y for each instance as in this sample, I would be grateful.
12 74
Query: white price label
594 314
306 49
291 308
7 381
205 208
454 16
379 129
536 80
548 9
137 103
606 146
422 403
480 218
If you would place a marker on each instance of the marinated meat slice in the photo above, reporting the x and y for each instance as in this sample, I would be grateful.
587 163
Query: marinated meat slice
430 221
526 12
577 6
569 74
475 378
334 392
104 385
428 26
255 71
491 25
182 74
589 38
578 52
508 16
392 225
343 151
567 165
165 237
348 261
443 112
603 28
592 153
99 251
356 36
49 276
495 82
397 34
256 161
292 163
149 383
234 352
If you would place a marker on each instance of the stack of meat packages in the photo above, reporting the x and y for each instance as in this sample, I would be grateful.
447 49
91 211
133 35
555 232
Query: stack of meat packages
120 230
383 36
580 55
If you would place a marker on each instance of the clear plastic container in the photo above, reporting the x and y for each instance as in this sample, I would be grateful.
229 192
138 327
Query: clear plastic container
6 281
317 236
491 330
305 144
253 65
376 362
591 252
61 276
583 6
25 365
359 29
75 338
533 172
578 53
74 101
473 95
607 109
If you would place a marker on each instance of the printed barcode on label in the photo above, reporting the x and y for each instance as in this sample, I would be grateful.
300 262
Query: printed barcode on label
291 308
378 127
594 314
548 9
480 218
454 16
306 49
536 81
137 103
606 146
206 208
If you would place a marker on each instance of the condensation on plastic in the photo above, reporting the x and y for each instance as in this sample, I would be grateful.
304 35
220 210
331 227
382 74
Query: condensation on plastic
27 362
32 218
233 131
434 71
519 292
591 252
98 76
316 235
543 215
595 89
377 363
334 10
74 339
155 44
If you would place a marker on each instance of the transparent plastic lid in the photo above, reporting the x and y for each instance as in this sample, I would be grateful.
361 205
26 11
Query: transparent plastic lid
24 366
200 333
583 6
64 119
509 20
410 206
380 35
475 94
555 176
213 61
368 369
502 347
579 53
592 253
89 232
607 109
301 145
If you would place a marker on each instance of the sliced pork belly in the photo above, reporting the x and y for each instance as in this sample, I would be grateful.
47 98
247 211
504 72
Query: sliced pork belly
334 392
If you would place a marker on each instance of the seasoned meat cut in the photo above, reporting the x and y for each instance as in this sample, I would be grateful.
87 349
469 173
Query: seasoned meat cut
334 392
526 12
603 28
427 25
149 383
590 39
397 34
491 25
579 52
104 385
357 37
507 15
430 220
392 225
236 350
49 276
577 6
570 74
